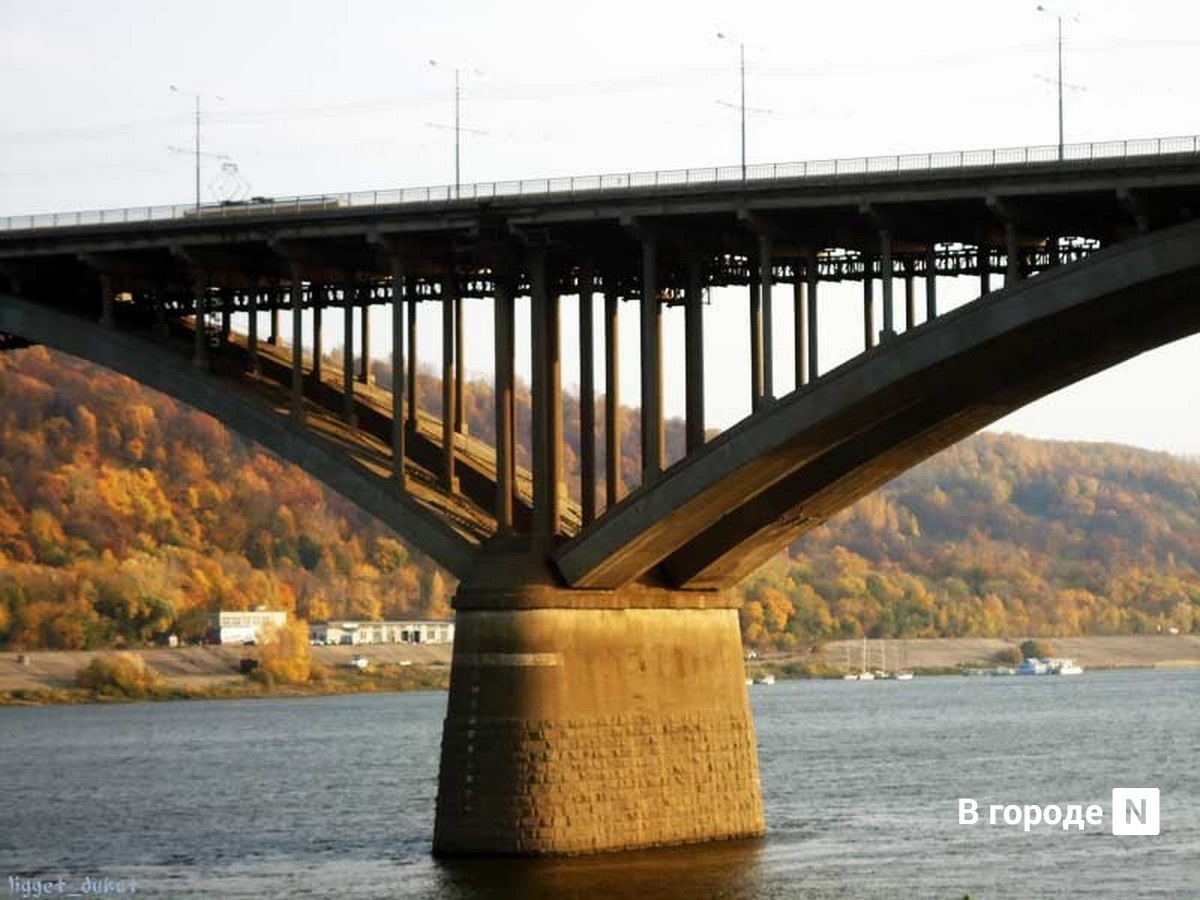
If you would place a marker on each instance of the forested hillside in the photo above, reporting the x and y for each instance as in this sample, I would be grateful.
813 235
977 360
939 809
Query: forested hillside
124 515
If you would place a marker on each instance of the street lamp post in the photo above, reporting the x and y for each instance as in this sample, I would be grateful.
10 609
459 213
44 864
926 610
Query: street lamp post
1059 18
458 129
742 96
196 152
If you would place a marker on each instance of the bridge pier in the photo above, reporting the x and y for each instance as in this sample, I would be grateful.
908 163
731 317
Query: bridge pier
410 382
449 390
984 256
767 348
587 396
814 277
930 281
398 468
653 427
252 329
694 353
910 299
365 375
348 352
887 281
613 487
587 721
318 297
868 302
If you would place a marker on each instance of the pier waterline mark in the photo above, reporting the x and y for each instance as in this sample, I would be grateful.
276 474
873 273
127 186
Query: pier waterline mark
1134 811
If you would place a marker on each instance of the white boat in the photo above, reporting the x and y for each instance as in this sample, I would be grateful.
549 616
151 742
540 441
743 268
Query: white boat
765 679
1033 666
849 676
899 674
864 675
1064 667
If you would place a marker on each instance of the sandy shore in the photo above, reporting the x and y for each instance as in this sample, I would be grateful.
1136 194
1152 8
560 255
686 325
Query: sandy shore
205 667
195 667
1129 651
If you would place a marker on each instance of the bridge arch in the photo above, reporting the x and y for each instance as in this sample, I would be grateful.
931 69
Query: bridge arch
244 412
723 510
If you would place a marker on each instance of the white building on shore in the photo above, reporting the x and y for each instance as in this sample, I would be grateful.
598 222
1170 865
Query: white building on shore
244 626
408 631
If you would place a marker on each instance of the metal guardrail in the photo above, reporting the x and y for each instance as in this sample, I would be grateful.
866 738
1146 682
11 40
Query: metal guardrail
669 178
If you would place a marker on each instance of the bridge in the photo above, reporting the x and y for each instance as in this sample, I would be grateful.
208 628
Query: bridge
597 698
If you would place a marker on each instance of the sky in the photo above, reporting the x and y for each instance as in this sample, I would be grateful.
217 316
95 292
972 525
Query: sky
315 97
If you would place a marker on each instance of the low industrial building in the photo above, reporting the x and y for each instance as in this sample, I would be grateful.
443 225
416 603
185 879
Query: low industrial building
244 626
413 631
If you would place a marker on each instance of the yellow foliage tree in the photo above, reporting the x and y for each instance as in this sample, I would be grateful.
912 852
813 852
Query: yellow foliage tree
283 653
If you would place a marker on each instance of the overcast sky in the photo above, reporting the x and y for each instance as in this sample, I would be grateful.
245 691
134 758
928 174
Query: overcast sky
311 97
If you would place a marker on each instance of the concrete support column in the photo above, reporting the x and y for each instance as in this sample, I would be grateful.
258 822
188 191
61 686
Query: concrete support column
868 302
460 362
613 486
693 352
226 315
252 328
886 276
574 728
1012 250
505 339
814 276
317 293
757 386
1054 251
399 472
983 257
765 277
297 290
106 301
200 314
364 357
547 399
910 299
449 394
411 380
800 326
348 298
930 281
652 372
273 333
587 396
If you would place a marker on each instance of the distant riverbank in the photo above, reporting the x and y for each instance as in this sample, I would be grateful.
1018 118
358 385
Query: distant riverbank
48 676
947 655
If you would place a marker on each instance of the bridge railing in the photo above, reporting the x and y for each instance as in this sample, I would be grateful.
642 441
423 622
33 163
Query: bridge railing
758 173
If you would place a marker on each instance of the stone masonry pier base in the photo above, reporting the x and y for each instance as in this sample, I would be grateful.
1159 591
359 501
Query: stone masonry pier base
616 720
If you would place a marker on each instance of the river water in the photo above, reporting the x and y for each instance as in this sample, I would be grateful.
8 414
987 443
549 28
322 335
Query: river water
333 797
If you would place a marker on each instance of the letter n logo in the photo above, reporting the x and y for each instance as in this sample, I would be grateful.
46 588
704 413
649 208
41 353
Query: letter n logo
1135 811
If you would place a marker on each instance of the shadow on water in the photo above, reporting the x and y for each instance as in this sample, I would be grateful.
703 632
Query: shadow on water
723 871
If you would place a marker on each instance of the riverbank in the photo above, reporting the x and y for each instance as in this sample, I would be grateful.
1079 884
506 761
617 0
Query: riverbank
205 673
48 676
934 656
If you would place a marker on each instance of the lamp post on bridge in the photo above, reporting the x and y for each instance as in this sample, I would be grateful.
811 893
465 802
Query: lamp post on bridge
1059 17
721 36
196 152
458 129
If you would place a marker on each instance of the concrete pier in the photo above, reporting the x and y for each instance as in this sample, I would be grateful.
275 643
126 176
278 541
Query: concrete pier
585 721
